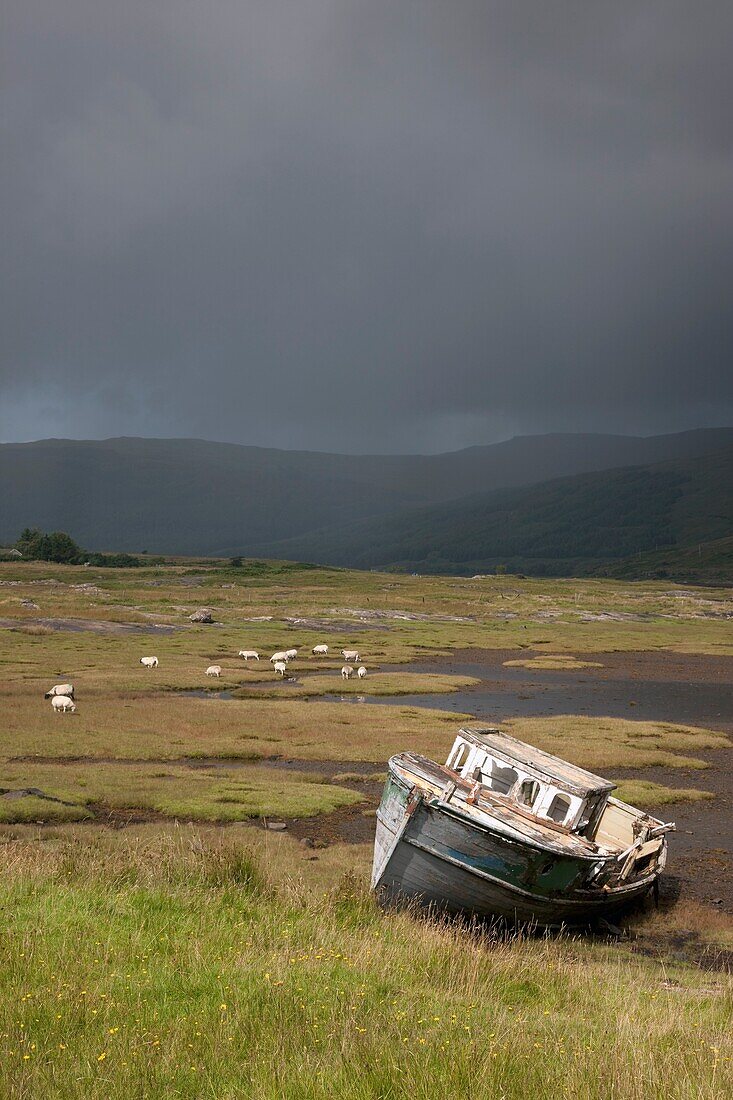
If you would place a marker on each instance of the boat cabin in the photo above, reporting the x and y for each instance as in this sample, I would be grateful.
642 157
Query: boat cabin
534 781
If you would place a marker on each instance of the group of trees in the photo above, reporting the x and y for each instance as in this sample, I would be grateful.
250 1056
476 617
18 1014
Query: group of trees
49 546
57 546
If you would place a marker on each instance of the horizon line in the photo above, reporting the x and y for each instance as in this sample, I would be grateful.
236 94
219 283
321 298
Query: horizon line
360 454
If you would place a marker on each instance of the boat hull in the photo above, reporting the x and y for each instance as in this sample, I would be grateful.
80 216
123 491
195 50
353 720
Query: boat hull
428 854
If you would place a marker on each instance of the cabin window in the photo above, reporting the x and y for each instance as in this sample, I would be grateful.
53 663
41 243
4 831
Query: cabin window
558 809
593 812
527 793
461 756
583 818
500 779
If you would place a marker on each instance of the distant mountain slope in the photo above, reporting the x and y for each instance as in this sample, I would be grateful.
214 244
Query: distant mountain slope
566 525
701 563
196 497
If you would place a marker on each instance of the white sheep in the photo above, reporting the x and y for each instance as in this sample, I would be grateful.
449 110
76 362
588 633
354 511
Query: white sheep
62 703
281 667
214 670
249 654
350 654
149 662
361 672
346 672
320 650
291 654
281 655
60 689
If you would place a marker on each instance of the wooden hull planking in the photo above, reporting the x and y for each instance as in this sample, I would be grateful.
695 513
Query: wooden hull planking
427 854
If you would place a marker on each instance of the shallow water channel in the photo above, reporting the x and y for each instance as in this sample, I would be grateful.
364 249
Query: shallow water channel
613 691
680 688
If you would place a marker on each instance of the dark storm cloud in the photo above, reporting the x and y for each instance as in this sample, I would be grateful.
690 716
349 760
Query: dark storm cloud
366 225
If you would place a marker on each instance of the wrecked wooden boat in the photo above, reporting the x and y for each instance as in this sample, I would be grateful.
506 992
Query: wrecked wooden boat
505 830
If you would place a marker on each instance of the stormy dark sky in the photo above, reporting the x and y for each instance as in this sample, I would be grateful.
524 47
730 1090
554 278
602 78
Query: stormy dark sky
366 225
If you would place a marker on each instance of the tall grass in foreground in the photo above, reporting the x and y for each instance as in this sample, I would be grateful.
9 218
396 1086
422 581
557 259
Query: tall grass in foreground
172 966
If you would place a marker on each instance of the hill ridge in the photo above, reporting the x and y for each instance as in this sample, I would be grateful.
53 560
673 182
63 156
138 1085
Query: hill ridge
688 433
197 497
578 523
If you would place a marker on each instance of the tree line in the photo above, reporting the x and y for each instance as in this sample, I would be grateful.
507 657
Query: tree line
60 547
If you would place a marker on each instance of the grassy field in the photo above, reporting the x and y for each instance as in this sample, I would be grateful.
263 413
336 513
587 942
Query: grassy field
607 743
198 972
395 616
170 959
191 794
644 792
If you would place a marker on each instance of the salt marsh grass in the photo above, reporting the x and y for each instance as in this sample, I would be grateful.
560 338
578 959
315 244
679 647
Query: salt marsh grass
643 792
191 794
553 661
404 616
603 743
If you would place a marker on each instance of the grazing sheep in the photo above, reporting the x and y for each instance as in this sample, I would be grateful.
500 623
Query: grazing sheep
60 689
214 670
346 672
361 672
62 703
281 655
291 654
350 655
320 650
281 667
149 662
249 654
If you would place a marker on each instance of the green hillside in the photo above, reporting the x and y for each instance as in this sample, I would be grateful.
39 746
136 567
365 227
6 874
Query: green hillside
564 526
187 496
703 563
